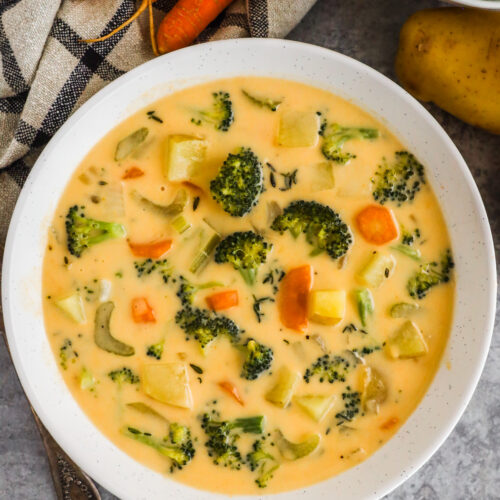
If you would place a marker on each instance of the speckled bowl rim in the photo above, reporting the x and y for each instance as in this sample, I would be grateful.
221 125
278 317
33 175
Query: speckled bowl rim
477 4
463 209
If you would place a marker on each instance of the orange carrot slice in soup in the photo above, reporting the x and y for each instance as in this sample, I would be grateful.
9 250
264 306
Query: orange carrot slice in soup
293 297
153 250
377 224
222 300
142 312
232 390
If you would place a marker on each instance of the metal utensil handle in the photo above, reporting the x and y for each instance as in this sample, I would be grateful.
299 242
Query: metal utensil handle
70 482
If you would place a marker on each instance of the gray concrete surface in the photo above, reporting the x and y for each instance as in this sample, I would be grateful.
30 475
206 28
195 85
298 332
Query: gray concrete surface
468 464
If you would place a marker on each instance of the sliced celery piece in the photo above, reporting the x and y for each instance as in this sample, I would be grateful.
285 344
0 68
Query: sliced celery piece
102 332
374 389
407 342
315 405
403 309
377 270
366 306
284 386
210 238
294 451
180 224
130 143
72 306
411 252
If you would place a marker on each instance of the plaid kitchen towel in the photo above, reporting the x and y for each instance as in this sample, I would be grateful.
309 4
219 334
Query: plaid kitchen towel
46 72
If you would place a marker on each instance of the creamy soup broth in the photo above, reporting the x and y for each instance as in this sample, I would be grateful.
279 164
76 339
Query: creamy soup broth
99 185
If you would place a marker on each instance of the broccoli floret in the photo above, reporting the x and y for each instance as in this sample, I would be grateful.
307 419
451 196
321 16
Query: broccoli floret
329 368
155 350
258 359
262 461
430 275
246 251
238 184
221 114
206 327
149 266
352 404
263 102
187 290
123 376
335 136
83 232
322 226
399 182
67 353
178 445
222 437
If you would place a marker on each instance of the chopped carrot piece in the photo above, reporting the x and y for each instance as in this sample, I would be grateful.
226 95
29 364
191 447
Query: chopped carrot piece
133 173
389 423
185 21
153 250
293 297
142 312
231 389
377 224
222 300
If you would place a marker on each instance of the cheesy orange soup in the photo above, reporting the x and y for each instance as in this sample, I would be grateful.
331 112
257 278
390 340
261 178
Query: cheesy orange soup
248 285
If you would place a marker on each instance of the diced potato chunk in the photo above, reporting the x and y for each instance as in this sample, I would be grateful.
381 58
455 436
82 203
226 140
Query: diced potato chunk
183 157
298 129
322 176
316 406
327 306
407 342
168 383
373 389
73 307
377 270
282 391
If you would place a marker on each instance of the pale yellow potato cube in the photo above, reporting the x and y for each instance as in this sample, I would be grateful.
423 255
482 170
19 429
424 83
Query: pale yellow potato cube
315 405
407 342
167 383
377 270
327 306
298 129
72 306
184 155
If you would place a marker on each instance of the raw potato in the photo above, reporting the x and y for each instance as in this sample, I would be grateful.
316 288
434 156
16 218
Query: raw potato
451 56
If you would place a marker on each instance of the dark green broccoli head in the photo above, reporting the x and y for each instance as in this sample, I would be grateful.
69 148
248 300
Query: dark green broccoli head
322 226
238 184
123 375
155 350
430 275
258 359
205 327
187 290
150 266
178 445
246 251
259 459
221 443
329 368
83 232
335 136
400 181
220 115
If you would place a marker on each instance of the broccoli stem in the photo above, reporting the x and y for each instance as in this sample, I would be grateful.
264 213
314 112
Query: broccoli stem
250 425
249 275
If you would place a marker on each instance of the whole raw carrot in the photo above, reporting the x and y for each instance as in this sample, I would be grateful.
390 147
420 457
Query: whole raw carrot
187 19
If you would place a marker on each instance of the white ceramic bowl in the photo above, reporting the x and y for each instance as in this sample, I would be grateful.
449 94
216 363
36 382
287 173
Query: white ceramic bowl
478 4
452 388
